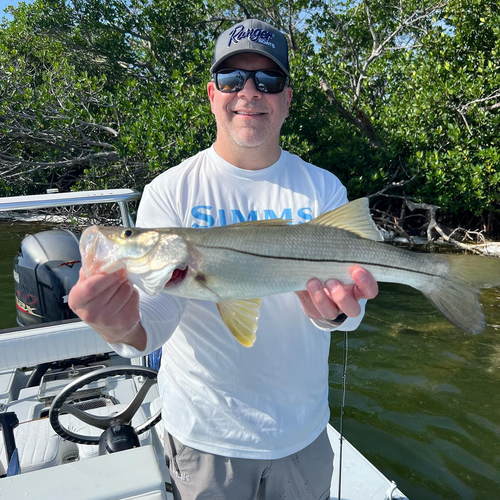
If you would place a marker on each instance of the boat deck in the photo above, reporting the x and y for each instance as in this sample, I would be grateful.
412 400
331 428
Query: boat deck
35 346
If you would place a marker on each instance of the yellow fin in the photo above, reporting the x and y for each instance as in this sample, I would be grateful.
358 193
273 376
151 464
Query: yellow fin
241 317
268 222
354 217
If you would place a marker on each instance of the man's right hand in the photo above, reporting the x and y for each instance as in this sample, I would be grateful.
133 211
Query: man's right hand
110 305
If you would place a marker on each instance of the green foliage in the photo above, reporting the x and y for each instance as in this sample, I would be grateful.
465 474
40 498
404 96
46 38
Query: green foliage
116 87
445 94
396 97
431 95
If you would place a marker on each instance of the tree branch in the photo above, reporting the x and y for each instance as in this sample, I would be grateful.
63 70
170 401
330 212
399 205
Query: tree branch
363 123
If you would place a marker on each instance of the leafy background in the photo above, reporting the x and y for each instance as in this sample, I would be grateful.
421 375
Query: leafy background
399 99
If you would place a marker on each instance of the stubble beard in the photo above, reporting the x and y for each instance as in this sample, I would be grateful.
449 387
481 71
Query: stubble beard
246 139
250 136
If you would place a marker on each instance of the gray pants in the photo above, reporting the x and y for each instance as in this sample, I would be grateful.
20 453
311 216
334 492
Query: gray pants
196 475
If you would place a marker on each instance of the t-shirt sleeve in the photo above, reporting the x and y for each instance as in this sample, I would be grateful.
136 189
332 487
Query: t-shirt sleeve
156 208
334 193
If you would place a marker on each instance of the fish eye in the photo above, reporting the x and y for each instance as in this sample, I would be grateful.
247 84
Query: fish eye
127 233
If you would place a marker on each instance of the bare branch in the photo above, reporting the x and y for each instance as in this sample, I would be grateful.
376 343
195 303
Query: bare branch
342 29
370 26
362 123
464 108
244 9
33 166
411 20
393 184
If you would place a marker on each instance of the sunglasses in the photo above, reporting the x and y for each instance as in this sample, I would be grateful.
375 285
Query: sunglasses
269 81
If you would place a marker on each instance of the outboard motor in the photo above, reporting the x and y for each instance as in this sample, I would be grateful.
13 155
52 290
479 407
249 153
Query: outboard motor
45 269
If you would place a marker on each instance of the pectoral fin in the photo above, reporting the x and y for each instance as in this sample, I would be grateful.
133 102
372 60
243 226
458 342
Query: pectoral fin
241 317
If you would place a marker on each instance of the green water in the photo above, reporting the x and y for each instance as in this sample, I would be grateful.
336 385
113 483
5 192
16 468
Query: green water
423 398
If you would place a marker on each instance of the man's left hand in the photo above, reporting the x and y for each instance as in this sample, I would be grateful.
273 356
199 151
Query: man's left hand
333 298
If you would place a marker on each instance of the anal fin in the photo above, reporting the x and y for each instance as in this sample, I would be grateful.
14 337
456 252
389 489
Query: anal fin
241 317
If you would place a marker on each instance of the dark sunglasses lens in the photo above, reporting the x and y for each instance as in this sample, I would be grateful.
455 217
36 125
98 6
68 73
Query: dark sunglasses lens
233 80
270 82
230 81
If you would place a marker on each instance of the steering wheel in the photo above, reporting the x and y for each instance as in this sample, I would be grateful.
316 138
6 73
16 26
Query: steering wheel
123 417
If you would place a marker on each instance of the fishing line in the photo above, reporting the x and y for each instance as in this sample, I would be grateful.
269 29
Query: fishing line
342 404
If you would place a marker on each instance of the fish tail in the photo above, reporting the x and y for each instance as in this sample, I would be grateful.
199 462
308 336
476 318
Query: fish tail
457 298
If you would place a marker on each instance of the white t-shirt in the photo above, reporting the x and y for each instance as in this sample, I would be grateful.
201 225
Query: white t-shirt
263 402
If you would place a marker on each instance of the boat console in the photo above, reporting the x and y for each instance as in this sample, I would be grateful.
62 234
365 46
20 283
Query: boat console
67 403
132 474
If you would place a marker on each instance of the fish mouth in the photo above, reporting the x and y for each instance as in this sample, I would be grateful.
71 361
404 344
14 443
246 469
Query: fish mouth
178 275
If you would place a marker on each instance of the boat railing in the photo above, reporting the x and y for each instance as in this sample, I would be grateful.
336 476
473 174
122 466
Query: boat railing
52 200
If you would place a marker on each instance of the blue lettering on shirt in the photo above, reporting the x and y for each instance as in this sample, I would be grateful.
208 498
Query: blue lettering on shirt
305 215
204 217
239 217
271 214
222 217
197 214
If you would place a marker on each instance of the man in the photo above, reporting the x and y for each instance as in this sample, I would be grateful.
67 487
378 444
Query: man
241 423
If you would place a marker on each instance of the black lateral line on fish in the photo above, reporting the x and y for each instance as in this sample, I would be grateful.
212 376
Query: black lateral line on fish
316 260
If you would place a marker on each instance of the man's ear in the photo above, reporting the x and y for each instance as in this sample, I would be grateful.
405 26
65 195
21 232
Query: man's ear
211 94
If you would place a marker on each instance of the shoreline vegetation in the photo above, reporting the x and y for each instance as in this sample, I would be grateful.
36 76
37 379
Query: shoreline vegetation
400 100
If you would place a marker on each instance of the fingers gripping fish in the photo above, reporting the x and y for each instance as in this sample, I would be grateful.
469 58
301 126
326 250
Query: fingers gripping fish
236 265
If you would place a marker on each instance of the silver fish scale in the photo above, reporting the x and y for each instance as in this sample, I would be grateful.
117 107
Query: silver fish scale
255 261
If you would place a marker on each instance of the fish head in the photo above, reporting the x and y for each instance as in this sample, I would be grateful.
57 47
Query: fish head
148 256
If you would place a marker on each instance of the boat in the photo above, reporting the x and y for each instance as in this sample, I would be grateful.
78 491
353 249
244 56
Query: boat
78 421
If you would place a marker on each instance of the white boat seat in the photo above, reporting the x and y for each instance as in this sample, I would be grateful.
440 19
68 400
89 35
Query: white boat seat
39 447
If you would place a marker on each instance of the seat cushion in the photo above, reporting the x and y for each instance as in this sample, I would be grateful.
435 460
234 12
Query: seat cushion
38 445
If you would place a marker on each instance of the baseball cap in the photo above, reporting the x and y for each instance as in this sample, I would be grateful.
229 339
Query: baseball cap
254 36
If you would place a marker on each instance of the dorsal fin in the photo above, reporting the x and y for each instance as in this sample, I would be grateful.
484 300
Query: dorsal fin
354 217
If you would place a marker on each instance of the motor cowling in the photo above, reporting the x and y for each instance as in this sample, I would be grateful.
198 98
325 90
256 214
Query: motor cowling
45 269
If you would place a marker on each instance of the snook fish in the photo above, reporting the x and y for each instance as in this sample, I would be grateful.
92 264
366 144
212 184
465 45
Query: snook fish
236 265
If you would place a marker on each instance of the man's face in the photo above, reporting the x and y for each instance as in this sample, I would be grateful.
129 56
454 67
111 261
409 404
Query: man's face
249 118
